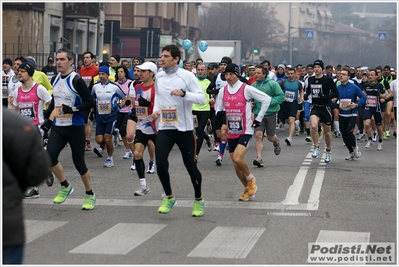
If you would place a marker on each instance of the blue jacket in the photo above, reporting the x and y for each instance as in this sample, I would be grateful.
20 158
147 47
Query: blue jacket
350 91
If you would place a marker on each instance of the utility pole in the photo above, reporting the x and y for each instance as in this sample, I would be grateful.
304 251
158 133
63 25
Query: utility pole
253 32
187 28
289 35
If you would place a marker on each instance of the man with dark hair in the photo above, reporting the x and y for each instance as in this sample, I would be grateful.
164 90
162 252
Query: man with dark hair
6 74
14 82
293 93
88 72
330 71
268 123
321 89
376 96
66 117
240 124
50 70
176 91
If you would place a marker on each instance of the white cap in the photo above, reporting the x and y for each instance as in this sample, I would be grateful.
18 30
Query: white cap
281 66
148 65
364 68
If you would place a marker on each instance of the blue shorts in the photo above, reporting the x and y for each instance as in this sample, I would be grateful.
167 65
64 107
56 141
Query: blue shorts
105 128
242 140
368 114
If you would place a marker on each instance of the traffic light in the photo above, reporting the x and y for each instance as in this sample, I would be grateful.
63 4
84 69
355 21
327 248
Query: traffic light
256 51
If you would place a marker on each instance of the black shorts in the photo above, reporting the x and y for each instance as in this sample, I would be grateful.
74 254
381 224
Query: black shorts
142 138
121 123
220 119
370 112
289 109
322 112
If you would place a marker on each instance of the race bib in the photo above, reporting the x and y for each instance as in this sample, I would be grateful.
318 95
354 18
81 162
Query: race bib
289 96
316 90
63 119
142 112
10 102
169 115
344 103
104 107
371 101
26 110
5 92
234 123
195 121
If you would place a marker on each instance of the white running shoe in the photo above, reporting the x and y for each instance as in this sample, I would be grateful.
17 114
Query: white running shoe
351 156
151 167
133 166
109 163
142 191
357 152
98 151
368 144
288 140
128 155
316 152
379 146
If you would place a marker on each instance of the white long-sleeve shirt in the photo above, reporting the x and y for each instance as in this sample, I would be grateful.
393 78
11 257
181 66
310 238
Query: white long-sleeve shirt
250 93
176 111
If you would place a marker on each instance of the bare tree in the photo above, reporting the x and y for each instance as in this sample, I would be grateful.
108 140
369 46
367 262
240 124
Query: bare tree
252 23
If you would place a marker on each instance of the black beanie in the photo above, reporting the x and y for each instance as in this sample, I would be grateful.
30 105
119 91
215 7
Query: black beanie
320 63
233 68
117 57
28 67
7 61
225 60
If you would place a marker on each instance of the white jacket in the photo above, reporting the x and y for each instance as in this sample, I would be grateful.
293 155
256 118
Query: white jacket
182 80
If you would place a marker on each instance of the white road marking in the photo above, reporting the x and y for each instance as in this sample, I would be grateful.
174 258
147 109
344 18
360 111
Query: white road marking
37 228
342 236
295 189
314 196
228 243
120 239
182 203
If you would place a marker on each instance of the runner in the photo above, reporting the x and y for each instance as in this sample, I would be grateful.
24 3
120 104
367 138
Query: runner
70 99
176 91
348 105
321 88
235 99
267 85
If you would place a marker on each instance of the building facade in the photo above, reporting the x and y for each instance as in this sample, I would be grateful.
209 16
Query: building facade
39 29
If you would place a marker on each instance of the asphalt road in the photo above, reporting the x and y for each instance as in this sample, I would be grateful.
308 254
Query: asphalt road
299 200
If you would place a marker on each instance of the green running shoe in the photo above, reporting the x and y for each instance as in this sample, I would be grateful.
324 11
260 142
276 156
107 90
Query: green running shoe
63 194
90 200
198 209
167 204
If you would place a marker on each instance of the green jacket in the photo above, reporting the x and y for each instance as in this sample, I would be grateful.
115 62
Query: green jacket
272 89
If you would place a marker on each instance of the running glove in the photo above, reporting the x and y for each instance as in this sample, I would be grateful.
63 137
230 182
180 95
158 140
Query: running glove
46 125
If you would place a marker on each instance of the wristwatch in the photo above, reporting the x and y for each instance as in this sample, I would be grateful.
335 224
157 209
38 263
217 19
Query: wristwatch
184 93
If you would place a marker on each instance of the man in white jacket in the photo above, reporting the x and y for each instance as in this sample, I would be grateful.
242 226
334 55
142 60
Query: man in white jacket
236 99
176 91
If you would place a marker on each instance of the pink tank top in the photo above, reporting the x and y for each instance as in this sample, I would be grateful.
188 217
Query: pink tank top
28 104
235 107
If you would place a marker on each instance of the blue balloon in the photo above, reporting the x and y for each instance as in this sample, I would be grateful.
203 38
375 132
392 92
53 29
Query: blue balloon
181 63
186 44
203 46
